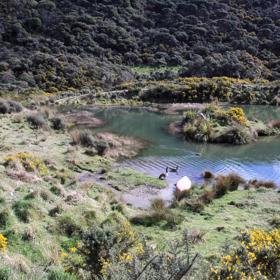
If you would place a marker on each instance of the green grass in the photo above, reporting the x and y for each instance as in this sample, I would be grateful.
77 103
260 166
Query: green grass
257 207
126 178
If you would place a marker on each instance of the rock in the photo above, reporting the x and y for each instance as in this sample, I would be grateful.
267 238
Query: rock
184 184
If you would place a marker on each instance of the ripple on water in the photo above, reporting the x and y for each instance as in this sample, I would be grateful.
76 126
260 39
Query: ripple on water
194 166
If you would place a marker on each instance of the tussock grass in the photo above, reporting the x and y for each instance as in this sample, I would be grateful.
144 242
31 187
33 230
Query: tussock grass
36 120
83 138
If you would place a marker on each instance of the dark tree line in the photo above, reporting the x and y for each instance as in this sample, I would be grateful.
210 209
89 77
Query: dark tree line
68 43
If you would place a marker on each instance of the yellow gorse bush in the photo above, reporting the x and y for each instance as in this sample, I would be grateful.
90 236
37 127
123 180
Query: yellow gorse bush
238 115
128 236
3 242
72 259
29 162
257 258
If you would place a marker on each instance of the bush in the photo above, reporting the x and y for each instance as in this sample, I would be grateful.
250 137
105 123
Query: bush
68 225
27 161
208 196
4 218
3 242
5 273
4 107
220 188
58 123
36 121
23 210
83 138
275 222
195 205
59 274
115 251
208 175
256 184
256 258
10 106
227 183
158 214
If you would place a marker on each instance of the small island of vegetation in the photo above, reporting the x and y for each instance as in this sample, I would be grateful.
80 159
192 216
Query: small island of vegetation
215 124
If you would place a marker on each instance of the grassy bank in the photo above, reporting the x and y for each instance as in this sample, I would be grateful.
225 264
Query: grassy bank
60 208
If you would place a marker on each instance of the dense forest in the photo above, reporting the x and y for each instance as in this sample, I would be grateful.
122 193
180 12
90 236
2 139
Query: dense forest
57 44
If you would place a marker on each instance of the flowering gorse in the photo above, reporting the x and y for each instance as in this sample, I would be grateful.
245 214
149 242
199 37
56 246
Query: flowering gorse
3 242
257 258
29 162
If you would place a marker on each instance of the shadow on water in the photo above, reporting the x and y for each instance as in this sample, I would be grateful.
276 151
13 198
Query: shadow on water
259 160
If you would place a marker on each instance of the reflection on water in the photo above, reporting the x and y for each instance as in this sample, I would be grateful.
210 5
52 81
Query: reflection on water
258 160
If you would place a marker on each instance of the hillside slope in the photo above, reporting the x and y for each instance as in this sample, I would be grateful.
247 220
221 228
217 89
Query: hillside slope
70 43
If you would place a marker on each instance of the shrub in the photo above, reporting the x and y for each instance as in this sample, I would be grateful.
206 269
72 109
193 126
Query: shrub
83 138
260 184
196 236
220 188
179 195
10 106
158 205
275 222
4 107
208 196
208 175
67 225
115 251
55 211
3 242
23 210
256 258
195 205
58 123
59 274
57 190
29 162
4 218
227 183
158 214
233 180
238 115
36 120
5 273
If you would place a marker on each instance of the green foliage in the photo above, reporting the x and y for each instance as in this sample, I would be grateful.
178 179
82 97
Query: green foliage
126 178
23 210
257 257
36 120
4 273
83 138
58 123
230 182
59 274
66 224
207 38
4 218
159 215
10 106
116 250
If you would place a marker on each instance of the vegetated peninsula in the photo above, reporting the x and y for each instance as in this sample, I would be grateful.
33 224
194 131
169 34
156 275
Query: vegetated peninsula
218 125
69 191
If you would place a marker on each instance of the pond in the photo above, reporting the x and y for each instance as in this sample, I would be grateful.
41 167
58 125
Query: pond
260 160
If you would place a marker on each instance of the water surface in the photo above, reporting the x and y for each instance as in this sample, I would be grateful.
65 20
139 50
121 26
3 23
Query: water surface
260 160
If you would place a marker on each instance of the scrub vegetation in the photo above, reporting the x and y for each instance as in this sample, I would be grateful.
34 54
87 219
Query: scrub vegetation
62 215
64 207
